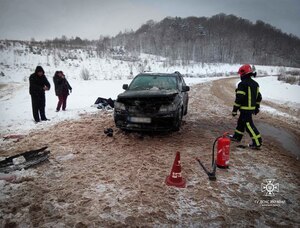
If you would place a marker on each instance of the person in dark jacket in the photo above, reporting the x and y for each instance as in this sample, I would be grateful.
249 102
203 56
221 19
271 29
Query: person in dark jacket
62 88
38 84
247 101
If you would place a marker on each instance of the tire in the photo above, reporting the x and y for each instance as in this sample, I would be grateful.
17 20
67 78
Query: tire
186 110
178 120
186 106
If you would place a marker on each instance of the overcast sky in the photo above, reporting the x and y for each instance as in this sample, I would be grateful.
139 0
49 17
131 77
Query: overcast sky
47 19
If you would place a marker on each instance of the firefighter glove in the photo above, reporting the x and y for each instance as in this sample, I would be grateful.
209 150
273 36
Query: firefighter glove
256 111
234 110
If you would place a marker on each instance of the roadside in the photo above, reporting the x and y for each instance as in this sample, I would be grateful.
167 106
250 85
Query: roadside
93 180
282 118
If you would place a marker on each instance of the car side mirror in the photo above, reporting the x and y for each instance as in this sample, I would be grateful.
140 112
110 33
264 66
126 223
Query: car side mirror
125 86
185 88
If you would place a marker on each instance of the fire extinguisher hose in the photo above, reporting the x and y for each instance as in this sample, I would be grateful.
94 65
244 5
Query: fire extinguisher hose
212 175
213 161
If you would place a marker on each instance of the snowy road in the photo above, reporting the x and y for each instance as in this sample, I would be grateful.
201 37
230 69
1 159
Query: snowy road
93 180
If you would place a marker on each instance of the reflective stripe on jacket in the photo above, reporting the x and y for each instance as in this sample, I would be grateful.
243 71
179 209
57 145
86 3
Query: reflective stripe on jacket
247 95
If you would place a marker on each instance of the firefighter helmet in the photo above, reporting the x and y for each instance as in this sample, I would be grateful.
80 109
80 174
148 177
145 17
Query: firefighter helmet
245 69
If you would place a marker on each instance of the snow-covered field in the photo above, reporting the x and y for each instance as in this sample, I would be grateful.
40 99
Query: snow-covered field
107 76
278 91
15 110
16 114
17 62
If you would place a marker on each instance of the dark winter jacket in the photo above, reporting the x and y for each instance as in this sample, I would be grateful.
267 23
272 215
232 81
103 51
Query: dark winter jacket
248 97
37 83
62 86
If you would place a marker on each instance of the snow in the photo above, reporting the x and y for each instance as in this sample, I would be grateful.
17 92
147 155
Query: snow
276 112
107 76
278 91
17 63
16 114
65 157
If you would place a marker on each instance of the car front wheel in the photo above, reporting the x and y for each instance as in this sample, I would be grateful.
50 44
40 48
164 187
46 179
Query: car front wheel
178 120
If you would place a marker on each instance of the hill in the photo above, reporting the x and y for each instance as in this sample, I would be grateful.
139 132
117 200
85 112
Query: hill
221 38
18 60
195 46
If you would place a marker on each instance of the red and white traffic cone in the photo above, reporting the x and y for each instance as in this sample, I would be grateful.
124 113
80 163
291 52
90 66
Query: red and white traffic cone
175 178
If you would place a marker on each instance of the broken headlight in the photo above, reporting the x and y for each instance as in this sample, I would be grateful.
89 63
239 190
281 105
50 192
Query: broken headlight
168 108
119 106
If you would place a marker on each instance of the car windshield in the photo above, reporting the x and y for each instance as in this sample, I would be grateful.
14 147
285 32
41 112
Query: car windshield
153 82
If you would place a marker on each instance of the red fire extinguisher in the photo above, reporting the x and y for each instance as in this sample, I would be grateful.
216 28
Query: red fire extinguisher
223 149
222 160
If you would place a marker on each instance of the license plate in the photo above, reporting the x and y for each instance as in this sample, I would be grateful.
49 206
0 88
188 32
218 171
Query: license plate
140 120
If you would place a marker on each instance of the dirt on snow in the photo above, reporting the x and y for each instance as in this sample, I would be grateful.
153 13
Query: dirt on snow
92 180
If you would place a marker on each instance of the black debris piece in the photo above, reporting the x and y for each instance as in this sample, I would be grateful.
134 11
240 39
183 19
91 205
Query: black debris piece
103 102
31 158
109 132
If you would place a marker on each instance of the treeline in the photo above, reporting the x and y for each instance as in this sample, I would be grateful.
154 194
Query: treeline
62 43
65 43
221 38
218 39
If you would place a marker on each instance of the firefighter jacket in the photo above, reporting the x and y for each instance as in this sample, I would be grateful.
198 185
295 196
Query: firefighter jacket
247 97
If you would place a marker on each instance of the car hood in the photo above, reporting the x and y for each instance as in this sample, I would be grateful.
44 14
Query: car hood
129 94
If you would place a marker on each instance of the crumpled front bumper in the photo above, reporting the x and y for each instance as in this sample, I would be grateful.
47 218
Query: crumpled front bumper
138 122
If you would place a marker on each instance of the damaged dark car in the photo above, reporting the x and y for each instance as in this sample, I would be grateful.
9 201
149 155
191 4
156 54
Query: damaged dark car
152 102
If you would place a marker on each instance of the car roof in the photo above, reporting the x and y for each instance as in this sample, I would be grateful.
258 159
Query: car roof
175 74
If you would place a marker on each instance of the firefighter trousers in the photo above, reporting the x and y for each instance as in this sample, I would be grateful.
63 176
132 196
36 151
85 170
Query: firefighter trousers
245 122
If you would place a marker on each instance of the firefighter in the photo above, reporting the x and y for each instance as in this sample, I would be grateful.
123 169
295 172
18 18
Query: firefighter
247 101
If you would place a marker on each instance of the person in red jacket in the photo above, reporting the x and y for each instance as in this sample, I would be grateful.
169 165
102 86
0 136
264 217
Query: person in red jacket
38 84
62 88
247 101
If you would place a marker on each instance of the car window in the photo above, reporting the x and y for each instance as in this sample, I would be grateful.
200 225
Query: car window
180 83
153 82
183 82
